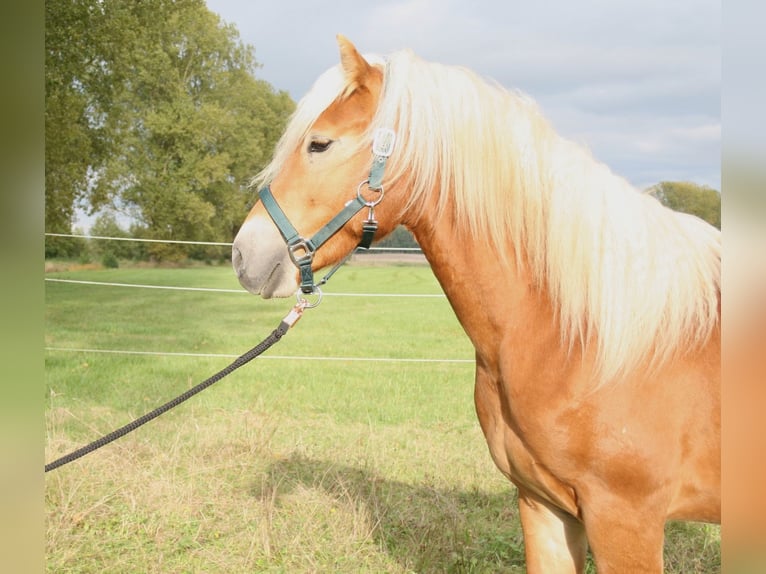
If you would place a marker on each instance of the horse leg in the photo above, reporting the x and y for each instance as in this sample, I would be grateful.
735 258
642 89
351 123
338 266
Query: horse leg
554 541
624 541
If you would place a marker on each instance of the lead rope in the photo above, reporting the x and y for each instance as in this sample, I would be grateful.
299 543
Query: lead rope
284 326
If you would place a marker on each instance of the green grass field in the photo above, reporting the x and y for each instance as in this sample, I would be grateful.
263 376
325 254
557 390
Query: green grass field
288 465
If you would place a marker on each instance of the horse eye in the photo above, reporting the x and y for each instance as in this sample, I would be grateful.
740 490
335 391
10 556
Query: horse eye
319 145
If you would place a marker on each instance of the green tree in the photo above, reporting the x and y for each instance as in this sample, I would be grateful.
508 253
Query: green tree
172 119
106 225
70 141
702 201
198 126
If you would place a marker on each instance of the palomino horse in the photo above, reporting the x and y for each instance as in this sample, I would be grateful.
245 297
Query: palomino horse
593 309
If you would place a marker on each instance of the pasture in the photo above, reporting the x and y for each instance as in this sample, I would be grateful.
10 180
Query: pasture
343 464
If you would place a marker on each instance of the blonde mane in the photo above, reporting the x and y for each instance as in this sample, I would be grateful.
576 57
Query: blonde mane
641 281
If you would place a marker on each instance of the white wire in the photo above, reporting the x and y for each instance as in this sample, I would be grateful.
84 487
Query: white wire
277 357
138 240
240 291
181 242
138 286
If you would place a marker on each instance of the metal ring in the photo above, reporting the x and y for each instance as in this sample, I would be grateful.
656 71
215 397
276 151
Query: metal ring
301 297
366 202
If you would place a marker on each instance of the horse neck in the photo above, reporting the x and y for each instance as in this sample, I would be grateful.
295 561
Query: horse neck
496 301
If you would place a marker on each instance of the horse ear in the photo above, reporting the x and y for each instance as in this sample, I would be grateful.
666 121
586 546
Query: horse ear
356 68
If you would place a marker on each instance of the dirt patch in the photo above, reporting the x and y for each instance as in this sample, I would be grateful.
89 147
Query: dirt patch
58 266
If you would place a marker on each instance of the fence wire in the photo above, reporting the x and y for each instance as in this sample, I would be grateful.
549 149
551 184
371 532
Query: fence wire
234 291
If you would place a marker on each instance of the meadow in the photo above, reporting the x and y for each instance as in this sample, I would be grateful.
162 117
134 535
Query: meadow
351 446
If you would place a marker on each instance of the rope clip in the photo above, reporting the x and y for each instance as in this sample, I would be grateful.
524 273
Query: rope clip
297 311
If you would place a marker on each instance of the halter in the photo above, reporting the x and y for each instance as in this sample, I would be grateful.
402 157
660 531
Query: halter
300 249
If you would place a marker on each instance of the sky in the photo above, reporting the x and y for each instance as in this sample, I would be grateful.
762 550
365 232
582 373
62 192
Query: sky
637 82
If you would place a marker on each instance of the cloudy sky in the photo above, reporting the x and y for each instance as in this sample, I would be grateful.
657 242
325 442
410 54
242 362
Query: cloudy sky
638 82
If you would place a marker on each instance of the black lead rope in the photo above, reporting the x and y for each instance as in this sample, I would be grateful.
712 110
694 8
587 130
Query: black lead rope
275 336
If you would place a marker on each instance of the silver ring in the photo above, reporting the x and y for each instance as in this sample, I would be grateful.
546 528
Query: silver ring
369 203
301 297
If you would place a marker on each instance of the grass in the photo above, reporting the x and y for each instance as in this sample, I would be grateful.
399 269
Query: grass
286 465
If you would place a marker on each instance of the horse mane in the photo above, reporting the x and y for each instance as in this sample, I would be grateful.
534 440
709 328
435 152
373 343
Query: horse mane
622 270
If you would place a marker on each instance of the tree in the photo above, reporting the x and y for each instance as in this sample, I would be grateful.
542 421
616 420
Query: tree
197 126
70 142
106 225
172 119
702 201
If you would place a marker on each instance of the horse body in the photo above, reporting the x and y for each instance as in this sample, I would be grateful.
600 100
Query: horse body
615 462
602 453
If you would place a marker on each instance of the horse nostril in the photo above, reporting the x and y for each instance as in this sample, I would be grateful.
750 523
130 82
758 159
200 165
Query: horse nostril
236 259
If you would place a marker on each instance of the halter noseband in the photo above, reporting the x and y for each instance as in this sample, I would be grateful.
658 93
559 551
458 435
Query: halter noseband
300 249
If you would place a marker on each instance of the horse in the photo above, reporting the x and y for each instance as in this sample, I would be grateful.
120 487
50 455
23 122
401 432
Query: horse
593 309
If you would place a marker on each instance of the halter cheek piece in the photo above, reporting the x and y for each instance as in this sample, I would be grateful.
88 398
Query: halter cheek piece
302 250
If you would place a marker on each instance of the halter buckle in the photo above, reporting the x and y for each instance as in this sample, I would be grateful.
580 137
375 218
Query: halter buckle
301 251
383 142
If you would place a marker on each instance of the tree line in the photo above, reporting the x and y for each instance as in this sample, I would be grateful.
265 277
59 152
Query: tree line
153 111
699 200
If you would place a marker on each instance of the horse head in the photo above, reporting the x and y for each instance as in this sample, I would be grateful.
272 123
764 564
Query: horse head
322 164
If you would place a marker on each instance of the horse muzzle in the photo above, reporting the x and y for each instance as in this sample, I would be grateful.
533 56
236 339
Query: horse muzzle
261 260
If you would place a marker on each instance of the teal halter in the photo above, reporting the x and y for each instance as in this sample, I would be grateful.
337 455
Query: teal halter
300 249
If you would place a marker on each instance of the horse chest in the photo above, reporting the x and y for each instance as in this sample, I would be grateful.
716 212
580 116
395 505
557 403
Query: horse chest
528 454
